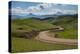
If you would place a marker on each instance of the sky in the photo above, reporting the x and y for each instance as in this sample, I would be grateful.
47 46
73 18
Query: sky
25 8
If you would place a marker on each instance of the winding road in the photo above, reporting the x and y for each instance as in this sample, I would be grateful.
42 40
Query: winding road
43 36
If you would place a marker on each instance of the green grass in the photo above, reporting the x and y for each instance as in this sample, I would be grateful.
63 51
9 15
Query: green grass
70 31
70 26
28 45
68 34
30 24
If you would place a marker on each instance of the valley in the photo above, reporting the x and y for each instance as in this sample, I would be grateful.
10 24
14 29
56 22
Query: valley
24 32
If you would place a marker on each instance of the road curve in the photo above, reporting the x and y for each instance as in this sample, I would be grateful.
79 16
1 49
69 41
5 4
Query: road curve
43 36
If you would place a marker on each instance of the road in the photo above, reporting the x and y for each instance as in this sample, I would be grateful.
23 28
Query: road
43 36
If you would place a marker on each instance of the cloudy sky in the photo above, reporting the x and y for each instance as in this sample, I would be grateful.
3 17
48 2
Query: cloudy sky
25 8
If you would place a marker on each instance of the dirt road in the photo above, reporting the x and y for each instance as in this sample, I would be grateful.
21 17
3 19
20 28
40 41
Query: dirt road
43 36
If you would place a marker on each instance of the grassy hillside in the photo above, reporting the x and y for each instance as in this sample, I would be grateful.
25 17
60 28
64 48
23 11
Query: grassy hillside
28 45
25 45
70 25
29 24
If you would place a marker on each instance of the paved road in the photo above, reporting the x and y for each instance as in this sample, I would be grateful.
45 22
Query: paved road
43 36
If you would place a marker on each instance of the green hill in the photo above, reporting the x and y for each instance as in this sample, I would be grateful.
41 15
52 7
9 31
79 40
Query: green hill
28 25
70 25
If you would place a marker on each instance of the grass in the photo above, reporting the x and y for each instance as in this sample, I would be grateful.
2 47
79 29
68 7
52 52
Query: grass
70 34
70 28
30 24
70 31
28 45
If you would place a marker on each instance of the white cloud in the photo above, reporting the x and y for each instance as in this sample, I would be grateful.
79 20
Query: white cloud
18 10
45 5
69 11
33 9
40 9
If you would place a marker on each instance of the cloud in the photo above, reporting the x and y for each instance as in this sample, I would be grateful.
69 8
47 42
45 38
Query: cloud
31 9
70 11
41 9
38 7
45 5
17 10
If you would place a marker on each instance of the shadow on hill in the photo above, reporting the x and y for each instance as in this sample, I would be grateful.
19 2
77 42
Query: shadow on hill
25 34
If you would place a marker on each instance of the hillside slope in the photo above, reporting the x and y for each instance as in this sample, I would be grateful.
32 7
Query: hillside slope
70 25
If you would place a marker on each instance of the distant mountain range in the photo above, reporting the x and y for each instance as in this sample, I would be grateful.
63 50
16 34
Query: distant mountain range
30 15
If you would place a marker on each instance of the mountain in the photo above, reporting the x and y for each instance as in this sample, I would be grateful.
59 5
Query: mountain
32 15
59 13
65 19
43 17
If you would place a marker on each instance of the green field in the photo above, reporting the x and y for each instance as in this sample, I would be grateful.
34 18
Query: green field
70 26
29 24
28 45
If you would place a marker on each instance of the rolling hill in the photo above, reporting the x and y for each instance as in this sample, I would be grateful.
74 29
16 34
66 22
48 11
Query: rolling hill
69 23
